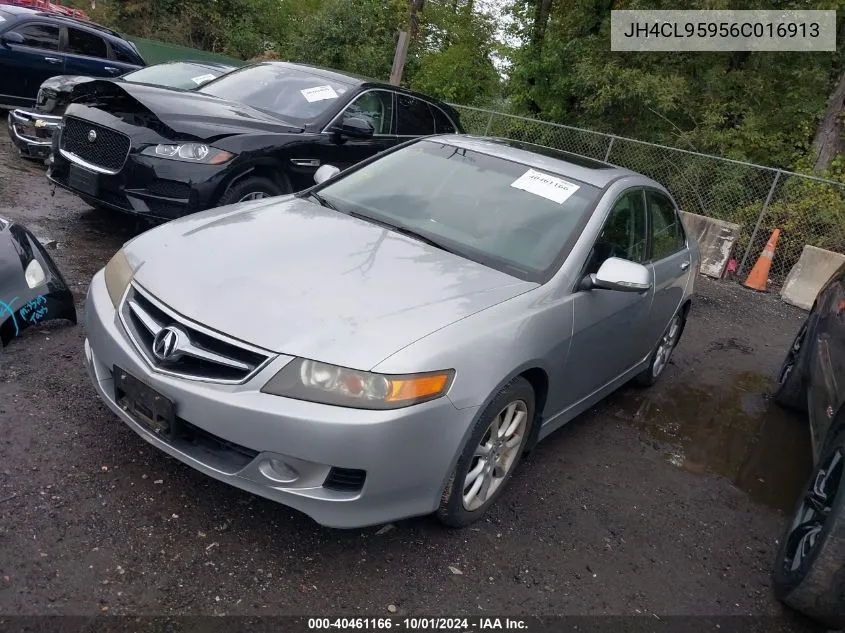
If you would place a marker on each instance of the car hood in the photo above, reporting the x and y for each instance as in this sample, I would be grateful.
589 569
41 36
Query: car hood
303 280
185 113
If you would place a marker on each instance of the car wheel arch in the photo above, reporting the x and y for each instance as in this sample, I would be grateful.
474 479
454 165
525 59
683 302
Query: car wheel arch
538 376
264 169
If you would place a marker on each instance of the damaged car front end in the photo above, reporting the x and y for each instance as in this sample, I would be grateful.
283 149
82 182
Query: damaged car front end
32 289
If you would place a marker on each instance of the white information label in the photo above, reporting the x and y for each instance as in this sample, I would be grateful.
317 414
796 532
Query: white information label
202 79
549 187
723 30
319 93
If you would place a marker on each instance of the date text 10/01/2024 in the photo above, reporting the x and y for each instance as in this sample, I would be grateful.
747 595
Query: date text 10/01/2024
416 624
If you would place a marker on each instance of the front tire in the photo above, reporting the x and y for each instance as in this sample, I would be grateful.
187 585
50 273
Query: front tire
791 390
490 455
251 188
809 573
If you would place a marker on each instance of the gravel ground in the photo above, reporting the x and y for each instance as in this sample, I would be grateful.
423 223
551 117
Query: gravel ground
668 501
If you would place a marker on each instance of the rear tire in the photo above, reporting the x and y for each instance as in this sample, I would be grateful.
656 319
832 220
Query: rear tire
491 454
662 354
791 391
250 188
809 573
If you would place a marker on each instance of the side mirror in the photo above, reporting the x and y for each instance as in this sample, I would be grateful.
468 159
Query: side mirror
620 275
324 173
354 127
11 37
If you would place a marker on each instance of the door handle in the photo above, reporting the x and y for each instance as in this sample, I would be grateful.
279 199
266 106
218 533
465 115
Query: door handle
685 265
111 69
53 60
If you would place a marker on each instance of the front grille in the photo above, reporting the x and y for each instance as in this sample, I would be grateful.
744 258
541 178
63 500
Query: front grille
200 354
345 479
108 150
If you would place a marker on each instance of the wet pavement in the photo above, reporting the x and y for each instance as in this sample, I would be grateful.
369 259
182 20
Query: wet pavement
662 501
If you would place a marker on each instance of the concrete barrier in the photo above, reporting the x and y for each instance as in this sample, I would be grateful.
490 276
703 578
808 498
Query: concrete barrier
808 275
715 238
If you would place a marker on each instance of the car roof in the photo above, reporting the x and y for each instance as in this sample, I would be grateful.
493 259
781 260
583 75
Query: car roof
27 12
13 9
588 170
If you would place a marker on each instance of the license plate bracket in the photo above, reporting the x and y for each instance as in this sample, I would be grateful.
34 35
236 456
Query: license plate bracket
148 407
83 180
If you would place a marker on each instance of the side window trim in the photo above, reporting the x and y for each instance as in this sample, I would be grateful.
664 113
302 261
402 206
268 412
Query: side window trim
677 215
616 200
340 114
445 114
433 120
64 43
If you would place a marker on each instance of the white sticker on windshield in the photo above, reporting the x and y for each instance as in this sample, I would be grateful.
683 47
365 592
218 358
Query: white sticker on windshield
319 93
202 79
549 187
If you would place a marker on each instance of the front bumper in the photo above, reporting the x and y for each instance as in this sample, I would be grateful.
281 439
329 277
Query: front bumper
32 132
406 454
146 186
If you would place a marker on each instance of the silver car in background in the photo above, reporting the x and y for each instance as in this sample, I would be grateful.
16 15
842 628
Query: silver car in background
391 341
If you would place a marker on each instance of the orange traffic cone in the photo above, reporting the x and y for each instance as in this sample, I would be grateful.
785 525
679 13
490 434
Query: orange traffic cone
759 276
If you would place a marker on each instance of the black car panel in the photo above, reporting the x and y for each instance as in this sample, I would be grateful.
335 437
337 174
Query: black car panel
21 304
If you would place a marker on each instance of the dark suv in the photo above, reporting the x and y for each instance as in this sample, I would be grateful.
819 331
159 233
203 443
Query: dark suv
35 46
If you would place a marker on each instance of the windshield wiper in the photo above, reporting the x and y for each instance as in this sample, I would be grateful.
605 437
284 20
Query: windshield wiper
322 201
404 230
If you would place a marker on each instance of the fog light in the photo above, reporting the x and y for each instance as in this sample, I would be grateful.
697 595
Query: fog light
278 471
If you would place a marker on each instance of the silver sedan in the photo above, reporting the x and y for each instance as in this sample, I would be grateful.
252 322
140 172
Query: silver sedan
391 341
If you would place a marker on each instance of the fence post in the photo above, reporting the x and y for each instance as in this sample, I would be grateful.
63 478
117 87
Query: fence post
609 147
741 269
489 125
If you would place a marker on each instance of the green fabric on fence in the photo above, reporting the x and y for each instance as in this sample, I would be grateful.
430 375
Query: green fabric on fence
155 52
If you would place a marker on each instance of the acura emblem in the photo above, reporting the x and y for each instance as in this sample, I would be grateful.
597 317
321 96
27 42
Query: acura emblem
167 343
92 136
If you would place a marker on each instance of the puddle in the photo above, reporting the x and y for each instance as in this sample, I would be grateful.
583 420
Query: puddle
737 432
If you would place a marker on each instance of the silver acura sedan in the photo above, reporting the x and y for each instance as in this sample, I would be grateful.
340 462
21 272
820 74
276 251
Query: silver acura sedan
389 342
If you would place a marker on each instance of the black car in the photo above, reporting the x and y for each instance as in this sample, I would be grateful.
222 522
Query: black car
259 131
36 45
31 130
809 570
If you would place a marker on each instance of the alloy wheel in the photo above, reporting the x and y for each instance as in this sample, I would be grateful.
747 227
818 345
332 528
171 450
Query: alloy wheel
496 455
665 347
804 536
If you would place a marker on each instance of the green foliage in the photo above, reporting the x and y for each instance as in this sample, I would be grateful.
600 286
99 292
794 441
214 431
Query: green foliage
761 107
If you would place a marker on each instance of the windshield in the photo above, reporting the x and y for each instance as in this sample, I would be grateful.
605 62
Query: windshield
499 213
288 92
176 75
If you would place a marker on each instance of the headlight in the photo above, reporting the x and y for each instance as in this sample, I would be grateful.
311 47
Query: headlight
191 152
310 380
118 274
34 274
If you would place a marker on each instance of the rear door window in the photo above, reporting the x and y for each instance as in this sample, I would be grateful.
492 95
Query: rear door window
415 118
442 124
84 43
667 232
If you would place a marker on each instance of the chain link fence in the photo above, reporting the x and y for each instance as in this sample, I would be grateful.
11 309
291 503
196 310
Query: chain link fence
759 199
